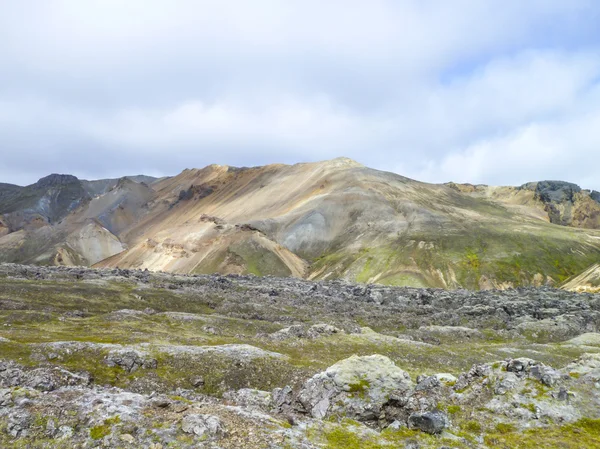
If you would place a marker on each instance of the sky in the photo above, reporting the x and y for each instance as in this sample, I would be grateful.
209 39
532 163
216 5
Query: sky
480 91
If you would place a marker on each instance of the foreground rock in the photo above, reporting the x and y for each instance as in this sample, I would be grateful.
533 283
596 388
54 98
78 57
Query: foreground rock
130 359
235 362
203 426
356 387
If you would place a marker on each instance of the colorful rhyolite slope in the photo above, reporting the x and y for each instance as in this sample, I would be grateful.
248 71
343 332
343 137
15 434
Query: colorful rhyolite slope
324 220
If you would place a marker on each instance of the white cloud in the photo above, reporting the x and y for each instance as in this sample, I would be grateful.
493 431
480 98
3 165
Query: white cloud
470 91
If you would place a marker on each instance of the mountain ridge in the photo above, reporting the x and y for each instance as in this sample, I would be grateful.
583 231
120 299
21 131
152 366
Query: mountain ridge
320 220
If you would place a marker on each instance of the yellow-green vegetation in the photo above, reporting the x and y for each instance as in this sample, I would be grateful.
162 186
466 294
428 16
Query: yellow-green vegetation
99 432
101 324
360 386
452 409
471 427
583 434
492 251
351 435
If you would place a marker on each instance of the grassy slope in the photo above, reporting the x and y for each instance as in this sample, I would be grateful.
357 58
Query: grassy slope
508 252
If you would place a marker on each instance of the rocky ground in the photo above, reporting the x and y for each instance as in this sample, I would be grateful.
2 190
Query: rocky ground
133 359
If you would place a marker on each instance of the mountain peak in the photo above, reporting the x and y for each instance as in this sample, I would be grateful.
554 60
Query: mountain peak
343 161
56 180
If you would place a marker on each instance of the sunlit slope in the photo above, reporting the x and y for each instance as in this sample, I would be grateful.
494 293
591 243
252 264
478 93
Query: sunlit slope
588 281
338 219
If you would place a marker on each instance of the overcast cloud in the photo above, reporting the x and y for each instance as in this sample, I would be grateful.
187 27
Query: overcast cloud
495 92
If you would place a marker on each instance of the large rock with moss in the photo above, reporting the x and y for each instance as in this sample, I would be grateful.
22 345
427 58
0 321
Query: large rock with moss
356 387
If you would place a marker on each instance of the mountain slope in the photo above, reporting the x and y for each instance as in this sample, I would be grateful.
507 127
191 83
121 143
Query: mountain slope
56 220
348 221
324 220
559 202
588 281
47 201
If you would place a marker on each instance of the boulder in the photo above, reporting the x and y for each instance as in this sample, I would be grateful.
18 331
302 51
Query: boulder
18 424
130 359
446 378
5 397
545 374
430 422
282 398
506 383
428 383
521 366
249 397
356 387
587 339
298 331
203 426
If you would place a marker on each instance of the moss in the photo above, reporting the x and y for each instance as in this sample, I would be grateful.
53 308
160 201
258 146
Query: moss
99 432
453 409
583 434
532 408
359 387
112 421
505 428
340 438
471 426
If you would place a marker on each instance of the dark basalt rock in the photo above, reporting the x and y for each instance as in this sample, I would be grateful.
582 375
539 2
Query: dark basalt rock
556 191
54 180
429 422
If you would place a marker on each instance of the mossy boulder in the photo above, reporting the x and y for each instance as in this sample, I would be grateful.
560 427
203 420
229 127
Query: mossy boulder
356 387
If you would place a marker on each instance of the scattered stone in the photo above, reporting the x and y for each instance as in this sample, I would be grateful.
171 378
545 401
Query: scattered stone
431 422
520 366
282 398
203 426
197 382
428 383
18 423
5 397
507 383
248 397
319 330
546 375
130 359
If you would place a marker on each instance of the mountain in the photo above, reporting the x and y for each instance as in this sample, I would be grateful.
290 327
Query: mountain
101 186
560 202
47 201
326 220
60 220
